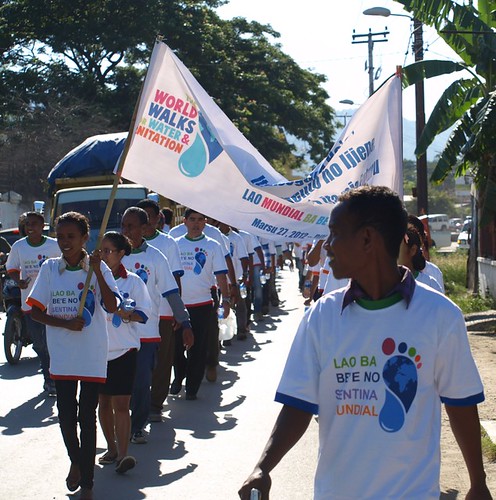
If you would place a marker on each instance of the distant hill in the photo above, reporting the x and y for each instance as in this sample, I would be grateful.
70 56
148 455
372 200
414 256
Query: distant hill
409 142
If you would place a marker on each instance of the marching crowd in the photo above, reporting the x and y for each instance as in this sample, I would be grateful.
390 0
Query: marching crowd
149 326
120 329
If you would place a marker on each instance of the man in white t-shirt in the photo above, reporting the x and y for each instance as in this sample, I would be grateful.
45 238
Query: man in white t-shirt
165 353
375 361
151 265
239 255
23 265
203 261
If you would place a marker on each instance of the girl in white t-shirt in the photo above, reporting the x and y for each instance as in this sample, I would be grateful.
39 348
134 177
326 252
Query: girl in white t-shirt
411 256
77 345
124 342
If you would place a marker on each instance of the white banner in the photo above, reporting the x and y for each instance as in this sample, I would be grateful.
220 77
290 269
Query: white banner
185 148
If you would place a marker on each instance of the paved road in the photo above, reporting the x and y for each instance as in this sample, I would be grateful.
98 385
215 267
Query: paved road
203 449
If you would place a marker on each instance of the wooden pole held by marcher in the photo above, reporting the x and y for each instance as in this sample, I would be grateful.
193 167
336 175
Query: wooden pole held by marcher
113 193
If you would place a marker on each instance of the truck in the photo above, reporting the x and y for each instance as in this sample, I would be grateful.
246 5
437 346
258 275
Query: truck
437 229
82 182
91 200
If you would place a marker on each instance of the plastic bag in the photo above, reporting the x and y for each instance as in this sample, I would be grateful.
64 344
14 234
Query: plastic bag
227 326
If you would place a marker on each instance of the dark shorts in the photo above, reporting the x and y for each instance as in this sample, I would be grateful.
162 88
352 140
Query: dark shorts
120 375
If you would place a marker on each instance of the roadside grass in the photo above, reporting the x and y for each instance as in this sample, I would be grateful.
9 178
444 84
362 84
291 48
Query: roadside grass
488 447
454 268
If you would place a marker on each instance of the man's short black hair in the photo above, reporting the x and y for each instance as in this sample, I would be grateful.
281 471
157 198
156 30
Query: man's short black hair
147 203
190 211
167 213
380 208
139 212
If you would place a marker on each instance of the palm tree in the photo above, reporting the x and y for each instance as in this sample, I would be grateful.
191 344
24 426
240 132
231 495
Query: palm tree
468 104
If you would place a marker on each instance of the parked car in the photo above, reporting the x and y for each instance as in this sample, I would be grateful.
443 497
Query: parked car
464 236
437 222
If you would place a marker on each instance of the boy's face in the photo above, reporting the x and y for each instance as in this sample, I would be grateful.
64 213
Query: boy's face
195 224
33 227
344 244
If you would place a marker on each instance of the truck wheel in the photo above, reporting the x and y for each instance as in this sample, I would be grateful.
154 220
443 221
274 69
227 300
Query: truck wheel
12 340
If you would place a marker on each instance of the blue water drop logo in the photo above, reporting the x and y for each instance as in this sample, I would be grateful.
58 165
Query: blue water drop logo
194 160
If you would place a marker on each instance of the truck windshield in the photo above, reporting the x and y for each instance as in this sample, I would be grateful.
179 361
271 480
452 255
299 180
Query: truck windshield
92 202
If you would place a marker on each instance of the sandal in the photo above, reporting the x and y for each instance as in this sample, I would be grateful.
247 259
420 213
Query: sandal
127 463
107 458
74 478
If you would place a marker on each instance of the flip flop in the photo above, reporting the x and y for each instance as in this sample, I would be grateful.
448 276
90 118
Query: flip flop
127 463
107 458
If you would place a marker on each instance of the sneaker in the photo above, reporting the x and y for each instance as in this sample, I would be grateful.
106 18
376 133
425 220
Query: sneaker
155 416
138 438
190 397
49 387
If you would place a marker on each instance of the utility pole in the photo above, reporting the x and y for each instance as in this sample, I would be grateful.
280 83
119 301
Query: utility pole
418 50
370 44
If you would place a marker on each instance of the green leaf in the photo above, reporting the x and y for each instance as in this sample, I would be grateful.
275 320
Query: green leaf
455 101
418 71
450 154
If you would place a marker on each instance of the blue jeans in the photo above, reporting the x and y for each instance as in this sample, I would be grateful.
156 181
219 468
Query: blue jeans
37 332
257 290
141 397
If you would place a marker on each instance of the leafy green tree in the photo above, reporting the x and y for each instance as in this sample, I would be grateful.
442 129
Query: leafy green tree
97 52
468 103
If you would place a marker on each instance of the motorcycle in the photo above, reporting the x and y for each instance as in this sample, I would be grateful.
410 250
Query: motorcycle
15 335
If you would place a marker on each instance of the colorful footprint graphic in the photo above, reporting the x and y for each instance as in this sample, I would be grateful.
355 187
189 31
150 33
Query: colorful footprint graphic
89 307
41 259
141 271
400 376
201 259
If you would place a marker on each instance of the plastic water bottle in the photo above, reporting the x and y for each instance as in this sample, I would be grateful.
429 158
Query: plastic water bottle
220 313
263 279
242 290
307 287
128 305
255 494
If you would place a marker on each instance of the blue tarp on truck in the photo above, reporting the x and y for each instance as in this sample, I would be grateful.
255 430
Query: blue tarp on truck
97 155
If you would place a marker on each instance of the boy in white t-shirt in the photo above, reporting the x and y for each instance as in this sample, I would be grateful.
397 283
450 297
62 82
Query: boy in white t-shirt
23 265
375 361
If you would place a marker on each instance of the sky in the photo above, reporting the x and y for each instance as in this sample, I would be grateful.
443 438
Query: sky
317 34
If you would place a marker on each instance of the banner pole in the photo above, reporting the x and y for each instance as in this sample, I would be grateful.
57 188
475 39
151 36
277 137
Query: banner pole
113 193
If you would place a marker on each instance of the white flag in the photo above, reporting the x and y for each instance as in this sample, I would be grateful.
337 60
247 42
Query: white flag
185 148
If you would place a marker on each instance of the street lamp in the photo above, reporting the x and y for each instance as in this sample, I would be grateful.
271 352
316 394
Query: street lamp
418 49
345 116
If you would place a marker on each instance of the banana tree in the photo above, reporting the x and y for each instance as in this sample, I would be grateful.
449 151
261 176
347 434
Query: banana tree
468 104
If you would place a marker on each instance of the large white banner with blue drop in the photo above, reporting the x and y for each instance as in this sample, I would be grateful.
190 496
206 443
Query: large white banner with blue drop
184 147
